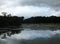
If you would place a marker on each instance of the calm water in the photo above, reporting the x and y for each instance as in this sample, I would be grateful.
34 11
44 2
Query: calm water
29 36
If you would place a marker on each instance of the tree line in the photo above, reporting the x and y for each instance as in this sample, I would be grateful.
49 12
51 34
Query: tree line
42 19
10 21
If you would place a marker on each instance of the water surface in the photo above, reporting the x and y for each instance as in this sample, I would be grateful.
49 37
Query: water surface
28 36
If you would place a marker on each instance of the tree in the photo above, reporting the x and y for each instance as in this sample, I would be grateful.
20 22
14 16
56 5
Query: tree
9 15
4 13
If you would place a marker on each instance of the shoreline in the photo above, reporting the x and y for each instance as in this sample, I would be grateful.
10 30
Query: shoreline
42 26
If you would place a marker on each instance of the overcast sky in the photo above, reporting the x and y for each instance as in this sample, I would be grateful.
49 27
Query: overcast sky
30 8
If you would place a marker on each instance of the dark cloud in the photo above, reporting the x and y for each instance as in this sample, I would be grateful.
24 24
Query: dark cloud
52 3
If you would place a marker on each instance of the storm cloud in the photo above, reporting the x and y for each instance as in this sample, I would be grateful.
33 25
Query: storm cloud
29 8
51 3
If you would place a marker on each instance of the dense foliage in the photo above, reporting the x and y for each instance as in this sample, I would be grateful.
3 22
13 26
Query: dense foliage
40 19
6 21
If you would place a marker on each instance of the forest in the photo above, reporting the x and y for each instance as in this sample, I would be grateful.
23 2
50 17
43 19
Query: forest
42 19
8 21
15 21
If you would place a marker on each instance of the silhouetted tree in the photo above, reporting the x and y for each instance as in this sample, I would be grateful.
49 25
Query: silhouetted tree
9 15
4 13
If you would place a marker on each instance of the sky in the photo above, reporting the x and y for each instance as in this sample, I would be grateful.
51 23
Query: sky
28 8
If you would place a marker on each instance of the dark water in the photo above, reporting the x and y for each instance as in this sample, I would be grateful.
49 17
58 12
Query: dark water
29 36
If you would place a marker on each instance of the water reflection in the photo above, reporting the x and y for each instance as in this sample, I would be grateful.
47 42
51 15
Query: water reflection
29 36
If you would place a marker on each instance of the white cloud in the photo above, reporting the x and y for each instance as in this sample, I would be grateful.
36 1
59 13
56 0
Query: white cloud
29 8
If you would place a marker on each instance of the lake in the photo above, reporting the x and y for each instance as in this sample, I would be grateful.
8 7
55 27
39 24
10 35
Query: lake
29 36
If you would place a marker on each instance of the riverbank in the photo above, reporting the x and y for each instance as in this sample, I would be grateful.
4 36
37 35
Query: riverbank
42 26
